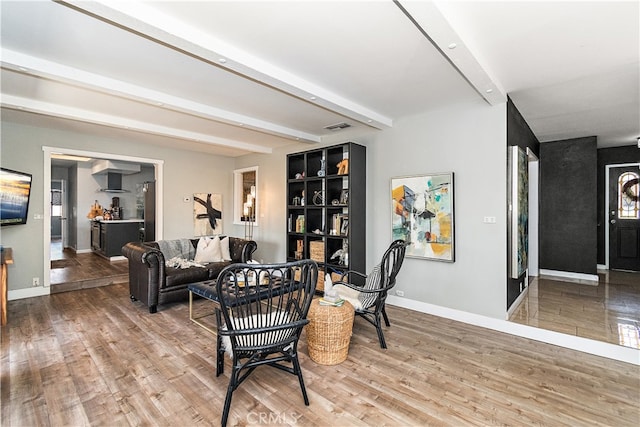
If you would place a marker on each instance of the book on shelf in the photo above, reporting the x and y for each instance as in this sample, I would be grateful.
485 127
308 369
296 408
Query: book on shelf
340 224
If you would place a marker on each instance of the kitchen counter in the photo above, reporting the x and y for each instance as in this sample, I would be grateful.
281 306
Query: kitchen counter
109 236
109 221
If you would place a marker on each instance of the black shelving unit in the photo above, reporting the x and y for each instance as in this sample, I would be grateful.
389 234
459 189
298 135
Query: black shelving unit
326 208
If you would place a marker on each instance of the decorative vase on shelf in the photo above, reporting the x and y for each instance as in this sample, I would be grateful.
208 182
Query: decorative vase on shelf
322 171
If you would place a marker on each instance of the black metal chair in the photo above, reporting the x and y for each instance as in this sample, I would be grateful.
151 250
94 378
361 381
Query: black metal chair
369 299
263 309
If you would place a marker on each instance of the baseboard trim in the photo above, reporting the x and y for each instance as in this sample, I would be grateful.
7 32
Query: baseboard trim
571 275
601 267
27 293
516 303
83 251
597 348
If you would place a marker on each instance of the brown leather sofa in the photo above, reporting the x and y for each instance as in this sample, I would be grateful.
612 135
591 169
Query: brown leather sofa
153 283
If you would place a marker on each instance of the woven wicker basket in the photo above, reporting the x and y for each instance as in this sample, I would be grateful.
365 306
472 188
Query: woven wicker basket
329 332
316 251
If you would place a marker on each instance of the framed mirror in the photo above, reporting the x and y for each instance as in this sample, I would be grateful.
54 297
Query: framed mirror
245 196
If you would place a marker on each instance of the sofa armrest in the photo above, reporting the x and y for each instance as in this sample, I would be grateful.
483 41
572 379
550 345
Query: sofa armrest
142 254
241 249
146 272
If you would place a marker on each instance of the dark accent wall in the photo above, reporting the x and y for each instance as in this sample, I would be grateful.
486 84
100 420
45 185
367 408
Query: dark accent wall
518 133
568 205
610 156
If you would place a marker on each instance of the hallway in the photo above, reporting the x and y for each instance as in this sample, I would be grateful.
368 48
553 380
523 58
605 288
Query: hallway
608 312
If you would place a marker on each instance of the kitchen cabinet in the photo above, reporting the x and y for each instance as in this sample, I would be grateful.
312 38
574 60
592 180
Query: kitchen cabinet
108 237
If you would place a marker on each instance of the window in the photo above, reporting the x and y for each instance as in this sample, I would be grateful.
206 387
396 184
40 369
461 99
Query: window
56 203
628 203
245 187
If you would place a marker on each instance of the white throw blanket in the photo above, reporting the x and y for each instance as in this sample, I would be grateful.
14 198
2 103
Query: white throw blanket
179 248
177 262
361 300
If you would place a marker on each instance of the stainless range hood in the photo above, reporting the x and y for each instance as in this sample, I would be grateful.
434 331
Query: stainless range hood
113 171
102 166
114 183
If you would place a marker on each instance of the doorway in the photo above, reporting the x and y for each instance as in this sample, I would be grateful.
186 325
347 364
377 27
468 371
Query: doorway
623 217
534 215
58 219
47 173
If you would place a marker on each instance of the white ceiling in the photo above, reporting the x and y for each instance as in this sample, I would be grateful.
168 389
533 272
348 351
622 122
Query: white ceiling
232 78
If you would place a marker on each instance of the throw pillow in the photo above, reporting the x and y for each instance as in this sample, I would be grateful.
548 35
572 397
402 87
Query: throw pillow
224 248
373 282
208 250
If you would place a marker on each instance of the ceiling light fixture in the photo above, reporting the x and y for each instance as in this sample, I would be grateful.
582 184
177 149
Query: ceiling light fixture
452 46
223 61
338 126
313 98
70 157
489 90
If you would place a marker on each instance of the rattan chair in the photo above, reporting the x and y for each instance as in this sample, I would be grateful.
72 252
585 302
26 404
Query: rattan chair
369 299
263 309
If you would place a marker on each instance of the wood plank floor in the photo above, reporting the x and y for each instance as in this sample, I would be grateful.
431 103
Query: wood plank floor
93 357
71 271
608 312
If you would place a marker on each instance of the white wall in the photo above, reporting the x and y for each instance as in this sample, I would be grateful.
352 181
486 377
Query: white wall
185 173
87 194
468 139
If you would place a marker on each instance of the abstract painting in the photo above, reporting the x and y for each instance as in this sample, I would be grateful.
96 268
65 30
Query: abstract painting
422 215
207 214
519 212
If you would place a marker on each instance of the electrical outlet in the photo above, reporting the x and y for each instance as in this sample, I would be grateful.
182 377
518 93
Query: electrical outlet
400 293
36 281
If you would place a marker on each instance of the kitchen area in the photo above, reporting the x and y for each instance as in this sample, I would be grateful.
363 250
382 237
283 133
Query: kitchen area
107 203
115 224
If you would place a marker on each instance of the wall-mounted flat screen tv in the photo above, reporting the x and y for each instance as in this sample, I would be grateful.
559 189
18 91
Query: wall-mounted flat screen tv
15 190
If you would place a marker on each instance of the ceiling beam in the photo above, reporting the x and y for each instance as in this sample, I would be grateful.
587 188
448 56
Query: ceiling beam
145 20
27 64
81 115
432 23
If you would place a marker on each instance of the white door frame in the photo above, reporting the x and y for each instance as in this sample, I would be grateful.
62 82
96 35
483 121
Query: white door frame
534 208
607 217
48 151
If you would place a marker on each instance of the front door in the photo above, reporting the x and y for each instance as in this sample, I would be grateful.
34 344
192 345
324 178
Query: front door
624 218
